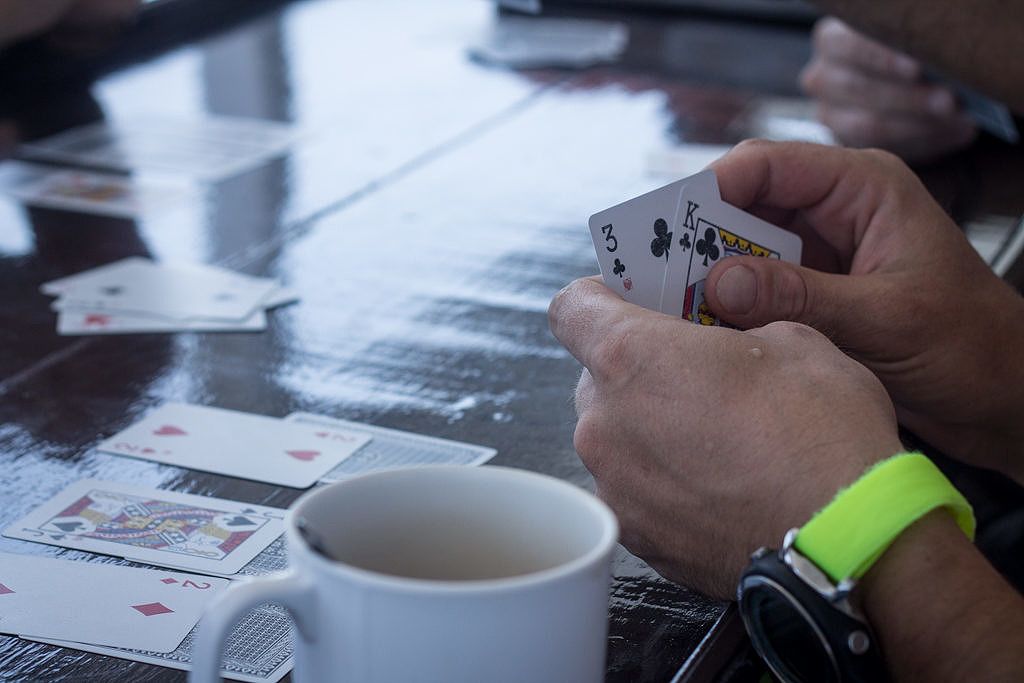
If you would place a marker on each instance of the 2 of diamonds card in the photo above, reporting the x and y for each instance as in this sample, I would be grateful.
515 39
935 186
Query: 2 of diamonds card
102 604
236 444
163 528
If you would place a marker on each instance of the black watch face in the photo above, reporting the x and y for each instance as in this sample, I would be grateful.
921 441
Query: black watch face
784 635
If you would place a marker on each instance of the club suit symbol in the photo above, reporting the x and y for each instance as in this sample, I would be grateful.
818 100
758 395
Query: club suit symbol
619 268
707 248
662 239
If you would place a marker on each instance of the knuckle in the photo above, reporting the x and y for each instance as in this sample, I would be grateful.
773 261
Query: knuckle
787 331
559 304
588 442
884 159
812 77
584 395
752 145
614 352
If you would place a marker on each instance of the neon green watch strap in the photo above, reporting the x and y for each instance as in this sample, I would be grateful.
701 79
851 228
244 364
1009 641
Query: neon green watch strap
846 536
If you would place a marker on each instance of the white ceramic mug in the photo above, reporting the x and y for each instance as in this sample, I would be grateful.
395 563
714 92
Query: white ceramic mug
446 573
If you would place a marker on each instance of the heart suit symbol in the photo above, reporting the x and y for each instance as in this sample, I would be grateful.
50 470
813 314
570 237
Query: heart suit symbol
303 455
170 430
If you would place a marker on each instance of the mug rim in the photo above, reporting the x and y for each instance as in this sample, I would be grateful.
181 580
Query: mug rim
605 544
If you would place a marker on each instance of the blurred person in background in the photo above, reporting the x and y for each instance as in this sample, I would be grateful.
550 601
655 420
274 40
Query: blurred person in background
869 71
24 19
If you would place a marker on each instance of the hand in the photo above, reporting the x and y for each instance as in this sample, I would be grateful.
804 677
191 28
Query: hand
873 96
710 442
20 19
919 306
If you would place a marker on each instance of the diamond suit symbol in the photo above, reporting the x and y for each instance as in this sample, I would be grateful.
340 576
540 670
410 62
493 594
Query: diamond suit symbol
152 608
168 580
4 590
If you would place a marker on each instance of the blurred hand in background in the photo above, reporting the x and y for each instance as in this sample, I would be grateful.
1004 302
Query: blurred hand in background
23 19
873 96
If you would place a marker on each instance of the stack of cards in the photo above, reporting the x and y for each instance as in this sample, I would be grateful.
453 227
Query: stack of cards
143 614
136 295
656 250
150 615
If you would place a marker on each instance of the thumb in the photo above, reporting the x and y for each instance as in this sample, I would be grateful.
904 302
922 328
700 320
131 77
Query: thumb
748 291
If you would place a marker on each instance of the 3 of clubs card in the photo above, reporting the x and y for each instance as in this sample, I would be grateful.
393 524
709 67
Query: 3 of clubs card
657 249
163 528
236 444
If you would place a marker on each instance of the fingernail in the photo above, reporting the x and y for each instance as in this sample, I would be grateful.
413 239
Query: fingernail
941 102
737 290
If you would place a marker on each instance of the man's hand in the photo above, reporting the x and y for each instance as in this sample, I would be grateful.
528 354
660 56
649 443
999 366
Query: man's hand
710 442
918 307
873 96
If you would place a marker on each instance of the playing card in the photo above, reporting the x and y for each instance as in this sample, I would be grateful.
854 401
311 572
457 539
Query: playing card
635 240
102 604
989 114
280 297
139 286
162 528
209 148
236 444
74 322
259 650
100 193
392 448
710 230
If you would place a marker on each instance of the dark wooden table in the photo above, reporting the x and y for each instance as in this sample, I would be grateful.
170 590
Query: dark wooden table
427 216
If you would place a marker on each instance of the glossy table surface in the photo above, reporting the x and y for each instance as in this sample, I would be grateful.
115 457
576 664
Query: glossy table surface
426 215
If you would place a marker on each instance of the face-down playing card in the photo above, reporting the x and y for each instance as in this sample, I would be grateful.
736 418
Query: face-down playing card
711 230
163 528
236 444
102 604
635 240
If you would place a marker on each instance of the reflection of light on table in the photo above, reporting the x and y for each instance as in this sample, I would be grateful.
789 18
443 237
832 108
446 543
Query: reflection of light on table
784 118
684 160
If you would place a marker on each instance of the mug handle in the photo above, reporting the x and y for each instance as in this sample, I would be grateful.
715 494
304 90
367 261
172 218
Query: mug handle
224 613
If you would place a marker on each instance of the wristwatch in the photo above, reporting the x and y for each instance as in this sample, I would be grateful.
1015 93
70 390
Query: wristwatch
796 602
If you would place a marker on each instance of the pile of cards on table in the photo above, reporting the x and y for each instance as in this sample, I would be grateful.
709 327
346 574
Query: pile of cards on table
198 543
137 295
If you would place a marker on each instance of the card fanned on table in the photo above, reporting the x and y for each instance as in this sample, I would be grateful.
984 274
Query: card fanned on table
163 528
137 295
101 604
391 448
656 250
236 444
